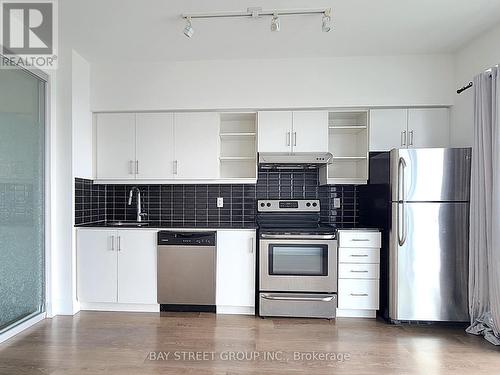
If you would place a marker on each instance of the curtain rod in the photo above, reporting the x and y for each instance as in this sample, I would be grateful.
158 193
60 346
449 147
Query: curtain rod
462 89
470 84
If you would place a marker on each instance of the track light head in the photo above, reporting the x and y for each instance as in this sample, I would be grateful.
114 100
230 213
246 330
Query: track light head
188 30
326 21
275 23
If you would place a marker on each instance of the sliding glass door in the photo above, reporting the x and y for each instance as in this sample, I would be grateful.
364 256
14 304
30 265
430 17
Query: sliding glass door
22 213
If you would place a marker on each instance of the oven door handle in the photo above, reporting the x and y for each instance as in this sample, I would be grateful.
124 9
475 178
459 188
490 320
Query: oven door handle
298 237
285 298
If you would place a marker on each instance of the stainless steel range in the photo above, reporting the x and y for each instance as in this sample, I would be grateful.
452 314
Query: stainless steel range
297 260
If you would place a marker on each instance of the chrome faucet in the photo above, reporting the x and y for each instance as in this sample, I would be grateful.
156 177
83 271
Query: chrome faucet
140 214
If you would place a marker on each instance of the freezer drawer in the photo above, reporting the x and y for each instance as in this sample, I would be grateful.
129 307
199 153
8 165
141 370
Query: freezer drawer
358 294
298 305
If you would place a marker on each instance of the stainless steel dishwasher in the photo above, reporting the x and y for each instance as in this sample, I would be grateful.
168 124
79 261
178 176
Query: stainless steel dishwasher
186 271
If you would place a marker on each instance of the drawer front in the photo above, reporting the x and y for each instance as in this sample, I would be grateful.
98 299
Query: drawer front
359 271
298 305
359 255
358 294
359 239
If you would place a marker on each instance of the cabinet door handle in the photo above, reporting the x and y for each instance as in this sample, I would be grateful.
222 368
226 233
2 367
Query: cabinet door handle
359 294
360 239
112 243
403 138
411 138
356 271
359 255
295 138
137 167
251 245
119 241
288 138
175 166
131 167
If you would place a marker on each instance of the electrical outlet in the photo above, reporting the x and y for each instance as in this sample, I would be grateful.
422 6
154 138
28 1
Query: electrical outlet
336 202
220 202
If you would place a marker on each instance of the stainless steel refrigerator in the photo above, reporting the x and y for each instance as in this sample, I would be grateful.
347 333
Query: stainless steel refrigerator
429 234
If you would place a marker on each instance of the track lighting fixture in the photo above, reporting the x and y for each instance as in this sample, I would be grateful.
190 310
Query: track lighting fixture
257 12
275 23
188 30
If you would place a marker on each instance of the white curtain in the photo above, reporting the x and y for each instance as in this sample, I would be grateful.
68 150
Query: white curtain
484 261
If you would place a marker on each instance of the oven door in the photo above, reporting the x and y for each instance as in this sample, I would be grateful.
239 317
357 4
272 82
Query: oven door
298 265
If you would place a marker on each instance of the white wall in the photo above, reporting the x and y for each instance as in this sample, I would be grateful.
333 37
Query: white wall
327 82
475 57
81 117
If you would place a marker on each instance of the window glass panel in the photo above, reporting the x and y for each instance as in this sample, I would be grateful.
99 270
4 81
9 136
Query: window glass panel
22 100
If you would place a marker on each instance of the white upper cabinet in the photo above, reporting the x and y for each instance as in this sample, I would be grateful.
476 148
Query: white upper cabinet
310 131
115 148
387 129
154 145
275 131
409 128
298 131
196 138
429 127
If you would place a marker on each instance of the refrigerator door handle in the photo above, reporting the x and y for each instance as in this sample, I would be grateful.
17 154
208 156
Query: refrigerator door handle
401 202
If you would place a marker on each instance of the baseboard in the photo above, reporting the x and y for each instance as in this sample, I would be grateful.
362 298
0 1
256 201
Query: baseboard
237 310
122 307
347 313
21 327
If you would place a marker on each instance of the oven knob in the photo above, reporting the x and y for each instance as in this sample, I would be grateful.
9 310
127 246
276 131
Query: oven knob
315 204
262 204
308 204
268 204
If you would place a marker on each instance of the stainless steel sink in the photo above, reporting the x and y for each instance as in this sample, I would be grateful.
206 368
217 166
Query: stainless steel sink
127 224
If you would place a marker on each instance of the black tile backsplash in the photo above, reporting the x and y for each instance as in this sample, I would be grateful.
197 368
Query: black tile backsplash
196 205
90 202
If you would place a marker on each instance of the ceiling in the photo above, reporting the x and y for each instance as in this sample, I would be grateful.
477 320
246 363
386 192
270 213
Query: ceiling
151 30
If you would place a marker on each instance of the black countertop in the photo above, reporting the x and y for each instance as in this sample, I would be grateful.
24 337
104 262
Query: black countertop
156 225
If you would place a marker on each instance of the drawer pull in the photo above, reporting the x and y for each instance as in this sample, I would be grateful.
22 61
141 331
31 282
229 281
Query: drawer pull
359 294
359 255
360 239
355 271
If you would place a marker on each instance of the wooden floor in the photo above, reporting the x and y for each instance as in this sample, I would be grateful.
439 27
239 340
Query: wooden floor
138 343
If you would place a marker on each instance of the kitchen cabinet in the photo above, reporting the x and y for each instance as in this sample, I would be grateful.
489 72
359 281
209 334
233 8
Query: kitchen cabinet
428 127
116 266
293 131
274 131
154 146
115 145
196 138
235 291
136 266
409 128
359 273
96 264
157 146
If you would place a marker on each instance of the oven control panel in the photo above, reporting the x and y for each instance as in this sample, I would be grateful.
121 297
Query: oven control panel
288 205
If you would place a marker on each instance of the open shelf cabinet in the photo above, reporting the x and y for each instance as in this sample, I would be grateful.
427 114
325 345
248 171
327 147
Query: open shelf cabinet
348 143
238 146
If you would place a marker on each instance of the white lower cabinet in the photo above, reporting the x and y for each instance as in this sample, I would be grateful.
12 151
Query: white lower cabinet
235 291
359 273
116 266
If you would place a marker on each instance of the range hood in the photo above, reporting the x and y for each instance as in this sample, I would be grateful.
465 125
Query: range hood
285 160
